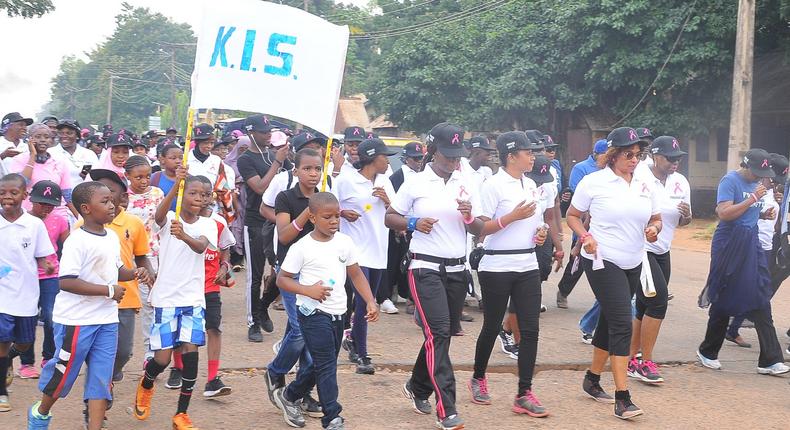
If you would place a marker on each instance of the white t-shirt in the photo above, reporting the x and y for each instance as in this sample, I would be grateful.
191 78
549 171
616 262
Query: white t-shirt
475 177
75 162
92 258
547 196
556 175
499 196
355 192
24 240
619 213
767 227
208 168
322 261
675 189
426 195
5 144
408 172
182 275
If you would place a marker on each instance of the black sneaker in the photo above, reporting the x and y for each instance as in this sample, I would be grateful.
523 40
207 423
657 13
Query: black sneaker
625 409
174 380
272 384
365 367
292 412
421 406
311 407
508 344
266 323
215 388
348 345
594 390
453 422
254 334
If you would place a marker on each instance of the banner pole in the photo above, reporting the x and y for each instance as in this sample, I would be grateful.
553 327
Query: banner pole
187 143
327 157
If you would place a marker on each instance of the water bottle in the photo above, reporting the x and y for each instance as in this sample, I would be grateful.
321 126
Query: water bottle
4 271
309 304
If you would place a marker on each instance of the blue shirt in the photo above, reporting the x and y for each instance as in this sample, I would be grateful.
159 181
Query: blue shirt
558 166
166 184
580 170
734 188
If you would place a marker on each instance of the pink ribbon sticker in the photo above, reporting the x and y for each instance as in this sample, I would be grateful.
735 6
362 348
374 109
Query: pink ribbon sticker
543 169
48 191
785 171
678 189
456 139
356 132
462 191
675 144
632 134
765 163
645 189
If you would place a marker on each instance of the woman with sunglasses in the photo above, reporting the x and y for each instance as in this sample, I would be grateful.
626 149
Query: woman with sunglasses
674 196
624 211
439 207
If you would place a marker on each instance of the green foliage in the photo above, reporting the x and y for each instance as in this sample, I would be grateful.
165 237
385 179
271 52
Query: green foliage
26 8
178 120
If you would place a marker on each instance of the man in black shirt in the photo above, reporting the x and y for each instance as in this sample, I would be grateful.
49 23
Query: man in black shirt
257 166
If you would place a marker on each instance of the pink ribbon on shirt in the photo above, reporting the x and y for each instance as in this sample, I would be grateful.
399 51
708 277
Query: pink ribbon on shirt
645 189
462 192
678 189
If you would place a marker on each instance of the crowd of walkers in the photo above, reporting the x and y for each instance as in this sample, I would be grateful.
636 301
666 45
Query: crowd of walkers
110 235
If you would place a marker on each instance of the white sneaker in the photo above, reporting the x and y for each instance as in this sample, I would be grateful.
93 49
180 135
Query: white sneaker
276 346
388 307
774 369
710 364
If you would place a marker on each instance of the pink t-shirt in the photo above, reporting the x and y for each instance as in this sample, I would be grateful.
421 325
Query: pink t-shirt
56 225
55 170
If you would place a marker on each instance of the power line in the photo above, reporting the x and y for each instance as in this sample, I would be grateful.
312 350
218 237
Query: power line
346 15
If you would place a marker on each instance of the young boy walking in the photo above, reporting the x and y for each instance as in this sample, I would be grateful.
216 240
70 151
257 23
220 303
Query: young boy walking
322 261
86 309
26 247
178 294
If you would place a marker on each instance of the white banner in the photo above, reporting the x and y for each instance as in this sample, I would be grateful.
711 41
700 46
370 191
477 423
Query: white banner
269 58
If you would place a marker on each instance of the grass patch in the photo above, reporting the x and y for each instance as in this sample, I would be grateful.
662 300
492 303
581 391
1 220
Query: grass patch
706 232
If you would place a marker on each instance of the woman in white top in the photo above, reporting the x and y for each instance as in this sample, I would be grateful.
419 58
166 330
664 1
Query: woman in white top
201 162
364 196
674 196
441 208
624 210
508 270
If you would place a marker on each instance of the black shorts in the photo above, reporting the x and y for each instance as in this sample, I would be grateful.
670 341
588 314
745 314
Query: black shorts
213 311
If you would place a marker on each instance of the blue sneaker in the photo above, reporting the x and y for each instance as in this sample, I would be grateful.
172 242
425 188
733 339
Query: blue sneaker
36 421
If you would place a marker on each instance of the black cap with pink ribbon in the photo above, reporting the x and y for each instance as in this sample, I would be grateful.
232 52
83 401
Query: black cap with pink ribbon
758 161
448 139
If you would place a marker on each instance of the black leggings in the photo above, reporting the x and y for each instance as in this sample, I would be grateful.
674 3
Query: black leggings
523 290
613 288
656 306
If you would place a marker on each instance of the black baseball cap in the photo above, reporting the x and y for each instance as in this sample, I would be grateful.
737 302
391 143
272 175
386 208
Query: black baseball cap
413 150
46 192
94 139
548 142
625 136
372 135
97 174
202 132
780 164
49 118
70 123
644 133
354 134
136 143
171 130
227 139
480 142
541 171
120 139
448 139
513 141
667 146
371 148
758 161
15 117
535 137
300 140
259 123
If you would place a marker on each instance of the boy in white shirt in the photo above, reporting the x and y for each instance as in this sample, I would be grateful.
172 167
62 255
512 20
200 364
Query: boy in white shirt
26 246
322 261
86 309
178 293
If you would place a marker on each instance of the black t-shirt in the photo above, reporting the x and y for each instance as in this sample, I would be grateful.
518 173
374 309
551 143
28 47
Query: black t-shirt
293 202
252 164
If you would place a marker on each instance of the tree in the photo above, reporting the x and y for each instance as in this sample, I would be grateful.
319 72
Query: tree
181 112
26 8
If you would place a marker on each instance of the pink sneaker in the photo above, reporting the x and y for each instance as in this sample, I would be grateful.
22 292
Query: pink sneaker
27 371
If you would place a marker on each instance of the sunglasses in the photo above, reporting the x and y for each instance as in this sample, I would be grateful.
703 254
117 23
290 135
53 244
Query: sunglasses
641 155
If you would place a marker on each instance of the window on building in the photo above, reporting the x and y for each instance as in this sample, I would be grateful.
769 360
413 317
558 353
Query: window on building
722 144
703 148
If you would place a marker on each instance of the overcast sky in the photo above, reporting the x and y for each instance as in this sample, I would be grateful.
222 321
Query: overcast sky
34 47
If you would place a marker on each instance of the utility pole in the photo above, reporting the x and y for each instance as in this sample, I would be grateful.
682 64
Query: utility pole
109 100
173 107
742 80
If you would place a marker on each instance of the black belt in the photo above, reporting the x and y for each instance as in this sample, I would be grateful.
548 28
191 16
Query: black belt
439 260
508 251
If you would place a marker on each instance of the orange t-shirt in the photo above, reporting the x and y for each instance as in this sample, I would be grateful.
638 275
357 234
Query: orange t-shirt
134 242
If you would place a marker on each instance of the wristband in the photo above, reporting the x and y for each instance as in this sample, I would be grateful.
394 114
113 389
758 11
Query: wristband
499 223
296 226
411 225
754 196
31 166
469 220
110 291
